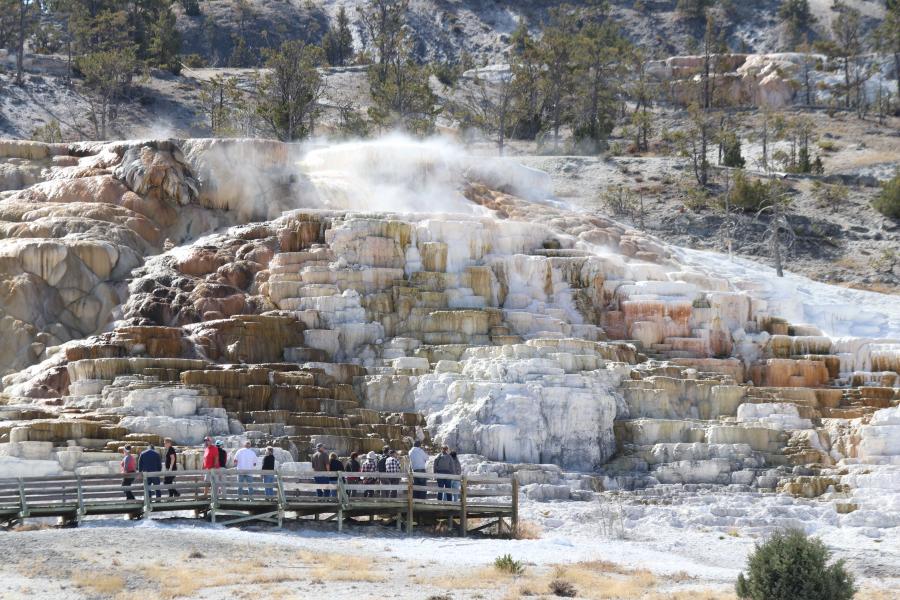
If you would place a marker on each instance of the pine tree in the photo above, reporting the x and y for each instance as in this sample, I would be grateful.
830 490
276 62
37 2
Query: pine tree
338 41
288 95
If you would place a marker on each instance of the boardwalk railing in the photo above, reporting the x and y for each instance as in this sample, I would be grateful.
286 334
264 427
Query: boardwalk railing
244 495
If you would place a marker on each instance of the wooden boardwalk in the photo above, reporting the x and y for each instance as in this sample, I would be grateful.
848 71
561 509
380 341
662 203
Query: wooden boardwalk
232 497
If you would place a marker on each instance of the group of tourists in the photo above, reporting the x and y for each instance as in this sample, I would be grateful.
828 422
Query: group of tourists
245 459
214 457
388 461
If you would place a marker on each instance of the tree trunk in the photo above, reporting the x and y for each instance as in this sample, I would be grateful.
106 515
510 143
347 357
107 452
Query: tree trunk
846 82
20 45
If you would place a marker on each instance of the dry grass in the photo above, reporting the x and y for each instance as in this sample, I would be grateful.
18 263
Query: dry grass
180 581
596 579
339 567
100 583
473 579
528 530
31 527
692 595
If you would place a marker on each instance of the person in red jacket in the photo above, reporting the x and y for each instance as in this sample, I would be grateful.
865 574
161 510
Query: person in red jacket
210 454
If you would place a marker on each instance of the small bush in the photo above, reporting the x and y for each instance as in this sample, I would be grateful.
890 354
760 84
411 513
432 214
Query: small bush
50 133
507 564
193 61
562 588
888 201
828 146
791 566
831 196
731 151
752 194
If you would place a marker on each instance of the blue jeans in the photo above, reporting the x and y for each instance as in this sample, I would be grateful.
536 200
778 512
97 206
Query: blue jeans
445 483
270 491
322 493
154 481
245 479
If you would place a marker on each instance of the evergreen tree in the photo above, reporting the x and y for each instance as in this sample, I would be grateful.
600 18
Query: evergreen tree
288 95
399 85
797 17
846 42
338 41
384 22
107 75
693 9
600 59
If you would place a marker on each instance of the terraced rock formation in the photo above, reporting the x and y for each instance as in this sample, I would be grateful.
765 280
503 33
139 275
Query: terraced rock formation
522 332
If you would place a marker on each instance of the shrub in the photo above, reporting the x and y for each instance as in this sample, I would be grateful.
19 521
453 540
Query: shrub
562 588
791 566
193 61
831 196
731 151
50 133
752 194
507 564
888 201
191 7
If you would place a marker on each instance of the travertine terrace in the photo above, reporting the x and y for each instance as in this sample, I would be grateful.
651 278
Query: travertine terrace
242 289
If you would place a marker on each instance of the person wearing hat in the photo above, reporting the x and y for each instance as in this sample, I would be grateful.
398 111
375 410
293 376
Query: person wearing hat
369 465
320 462
128 467
245 459
223 456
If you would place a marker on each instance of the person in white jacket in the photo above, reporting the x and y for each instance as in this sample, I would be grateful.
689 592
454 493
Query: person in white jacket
245 459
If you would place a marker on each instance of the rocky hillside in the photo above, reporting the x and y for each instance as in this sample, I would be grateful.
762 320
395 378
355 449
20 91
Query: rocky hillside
445 30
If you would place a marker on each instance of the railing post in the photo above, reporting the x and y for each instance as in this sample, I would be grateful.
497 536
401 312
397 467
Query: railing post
23 504
514 525
409 502
213 495
463 524
282 501
146 485
339 482
79 514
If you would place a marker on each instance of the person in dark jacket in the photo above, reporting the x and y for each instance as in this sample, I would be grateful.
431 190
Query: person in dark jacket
223 455
385 451
171 463
443 464
335 466
353 466
268 464
320 463
457 470
150 462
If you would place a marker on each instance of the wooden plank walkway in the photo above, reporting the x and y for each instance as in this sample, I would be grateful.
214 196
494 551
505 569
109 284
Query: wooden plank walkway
231 497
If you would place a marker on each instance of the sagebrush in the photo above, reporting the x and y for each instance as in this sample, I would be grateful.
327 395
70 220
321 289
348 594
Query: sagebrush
792 566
